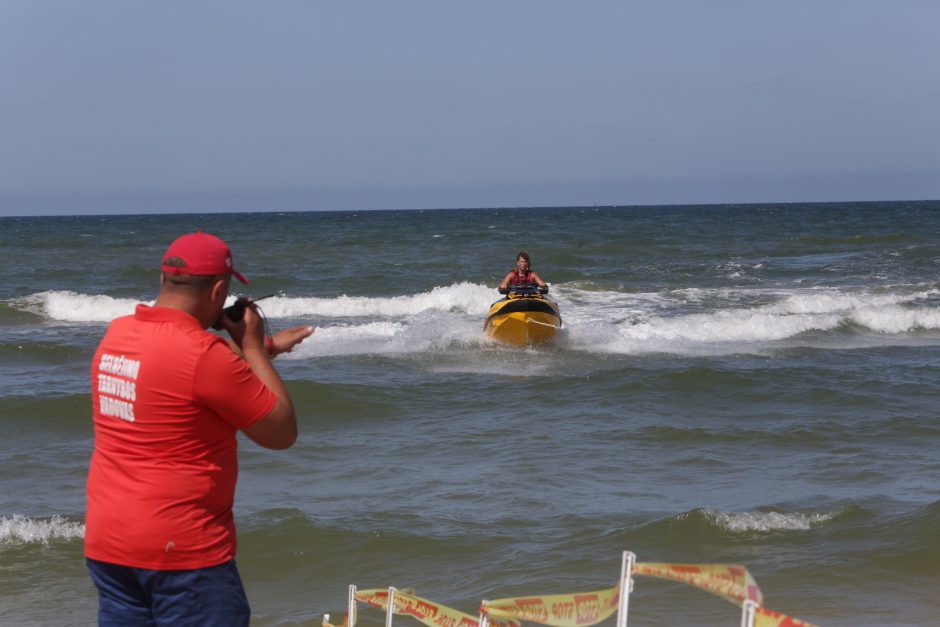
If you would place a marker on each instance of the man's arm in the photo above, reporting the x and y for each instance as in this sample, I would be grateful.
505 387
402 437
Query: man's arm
277 430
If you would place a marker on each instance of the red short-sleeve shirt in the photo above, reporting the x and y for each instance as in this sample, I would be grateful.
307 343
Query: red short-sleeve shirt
168 398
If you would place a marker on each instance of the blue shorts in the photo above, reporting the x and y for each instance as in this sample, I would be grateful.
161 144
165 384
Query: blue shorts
199 597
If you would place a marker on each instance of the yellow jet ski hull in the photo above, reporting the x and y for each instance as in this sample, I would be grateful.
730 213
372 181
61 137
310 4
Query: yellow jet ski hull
523 320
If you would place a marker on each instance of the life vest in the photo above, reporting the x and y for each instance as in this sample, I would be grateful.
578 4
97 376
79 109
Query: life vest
521 278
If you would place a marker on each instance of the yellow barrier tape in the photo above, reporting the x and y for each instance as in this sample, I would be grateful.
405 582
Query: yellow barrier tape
557 610
769 618
730 581
428 612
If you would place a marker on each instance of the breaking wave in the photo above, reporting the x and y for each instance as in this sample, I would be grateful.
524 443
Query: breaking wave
679 321
19 529
746 522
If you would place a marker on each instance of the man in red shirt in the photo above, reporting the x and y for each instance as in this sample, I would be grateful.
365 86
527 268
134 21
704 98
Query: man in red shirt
168 398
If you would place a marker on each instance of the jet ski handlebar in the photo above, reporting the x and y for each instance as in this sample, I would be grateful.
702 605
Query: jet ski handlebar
524 290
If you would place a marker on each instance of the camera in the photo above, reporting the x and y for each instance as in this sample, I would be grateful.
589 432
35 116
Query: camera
236 311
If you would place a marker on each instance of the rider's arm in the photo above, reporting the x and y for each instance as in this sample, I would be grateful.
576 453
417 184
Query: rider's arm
506 280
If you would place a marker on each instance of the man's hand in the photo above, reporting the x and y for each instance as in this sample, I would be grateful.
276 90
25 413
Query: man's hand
286 340
247 332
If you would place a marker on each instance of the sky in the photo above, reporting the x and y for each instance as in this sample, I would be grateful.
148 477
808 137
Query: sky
129 106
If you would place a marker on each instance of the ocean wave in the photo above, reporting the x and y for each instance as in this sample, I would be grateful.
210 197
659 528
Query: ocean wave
467 298
20 529
893 320
421 334
68 306
686 321
725 326
855 240
714 525
788 315
764 522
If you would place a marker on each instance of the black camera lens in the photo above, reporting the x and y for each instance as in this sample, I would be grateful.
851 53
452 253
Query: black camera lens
234 312
237 311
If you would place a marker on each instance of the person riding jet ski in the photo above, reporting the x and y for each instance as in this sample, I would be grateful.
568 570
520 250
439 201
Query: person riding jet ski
522 276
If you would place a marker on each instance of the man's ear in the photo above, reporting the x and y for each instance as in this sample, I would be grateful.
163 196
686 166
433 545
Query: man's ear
219 290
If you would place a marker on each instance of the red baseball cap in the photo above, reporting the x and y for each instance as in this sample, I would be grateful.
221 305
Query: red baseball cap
202 254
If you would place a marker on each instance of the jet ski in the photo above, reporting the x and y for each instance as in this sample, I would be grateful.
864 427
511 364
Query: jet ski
525 316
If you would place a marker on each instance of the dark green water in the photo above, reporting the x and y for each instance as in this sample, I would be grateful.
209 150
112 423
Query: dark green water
747 384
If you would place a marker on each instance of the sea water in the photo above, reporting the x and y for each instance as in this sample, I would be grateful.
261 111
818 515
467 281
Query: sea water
752 384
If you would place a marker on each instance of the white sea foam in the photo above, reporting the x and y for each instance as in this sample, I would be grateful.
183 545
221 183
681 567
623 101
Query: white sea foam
65 306
469 298
20 529
688 321
426 332
743 522
351 339
733 327
895 319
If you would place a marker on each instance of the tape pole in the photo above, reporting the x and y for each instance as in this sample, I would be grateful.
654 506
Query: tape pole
626 587
484 619
747 612
351 607
391 607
